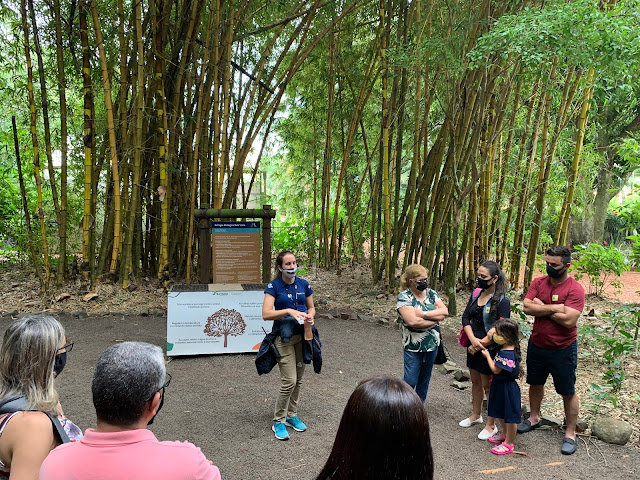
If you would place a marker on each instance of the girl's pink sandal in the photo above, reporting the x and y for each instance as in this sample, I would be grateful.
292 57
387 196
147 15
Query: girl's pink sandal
496 438
502 449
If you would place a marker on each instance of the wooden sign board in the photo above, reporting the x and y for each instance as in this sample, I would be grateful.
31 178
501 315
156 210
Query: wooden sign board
235 252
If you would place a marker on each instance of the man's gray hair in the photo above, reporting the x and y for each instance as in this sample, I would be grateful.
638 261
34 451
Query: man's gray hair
126 378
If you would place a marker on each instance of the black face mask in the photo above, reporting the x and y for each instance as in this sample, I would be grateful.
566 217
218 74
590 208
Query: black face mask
483 284
59 363
422 285
555 273
159 408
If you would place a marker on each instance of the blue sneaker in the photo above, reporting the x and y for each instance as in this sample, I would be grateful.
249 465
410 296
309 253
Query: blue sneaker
296 424
280 430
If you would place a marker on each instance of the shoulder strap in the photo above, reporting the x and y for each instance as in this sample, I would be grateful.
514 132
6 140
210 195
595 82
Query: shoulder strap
58 428
476 293
18 403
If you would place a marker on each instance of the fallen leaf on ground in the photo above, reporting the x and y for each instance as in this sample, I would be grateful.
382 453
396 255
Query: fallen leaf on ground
62 296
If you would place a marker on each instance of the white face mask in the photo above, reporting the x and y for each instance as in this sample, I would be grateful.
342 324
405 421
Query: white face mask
290 272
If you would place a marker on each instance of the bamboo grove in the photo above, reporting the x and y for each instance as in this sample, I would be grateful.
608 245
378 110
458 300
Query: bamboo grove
424 131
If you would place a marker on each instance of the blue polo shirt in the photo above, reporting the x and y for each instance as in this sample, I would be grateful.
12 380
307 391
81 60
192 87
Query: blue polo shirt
288 296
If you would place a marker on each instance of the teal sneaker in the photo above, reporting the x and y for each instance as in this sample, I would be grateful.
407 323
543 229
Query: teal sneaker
296 424
280 430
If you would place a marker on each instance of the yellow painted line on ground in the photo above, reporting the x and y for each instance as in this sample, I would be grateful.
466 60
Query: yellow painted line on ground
493 471
497 470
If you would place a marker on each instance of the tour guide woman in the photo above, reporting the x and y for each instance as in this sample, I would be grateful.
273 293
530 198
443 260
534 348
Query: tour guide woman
288 301
420 310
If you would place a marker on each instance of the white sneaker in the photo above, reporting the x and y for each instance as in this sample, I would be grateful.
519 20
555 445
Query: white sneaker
486 434
467 423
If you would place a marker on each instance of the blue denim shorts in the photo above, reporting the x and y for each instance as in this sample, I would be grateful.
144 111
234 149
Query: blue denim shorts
561 364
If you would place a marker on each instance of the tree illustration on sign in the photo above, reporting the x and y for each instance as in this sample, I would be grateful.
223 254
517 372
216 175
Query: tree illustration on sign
225 322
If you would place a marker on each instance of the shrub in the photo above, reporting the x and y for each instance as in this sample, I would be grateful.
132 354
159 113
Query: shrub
635 248
599 263
291 234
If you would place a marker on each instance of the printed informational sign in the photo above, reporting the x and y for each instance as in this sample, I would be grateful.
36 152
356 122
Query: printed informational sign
235 252
222 319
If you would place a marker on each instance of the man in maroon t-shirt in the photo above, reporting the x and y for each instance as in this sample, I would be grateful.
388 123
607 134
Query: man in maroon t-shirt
556 301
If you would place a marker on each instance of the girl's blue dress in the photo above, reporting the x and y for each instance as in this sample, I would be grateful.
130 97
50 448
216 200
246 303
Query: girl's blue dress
504 394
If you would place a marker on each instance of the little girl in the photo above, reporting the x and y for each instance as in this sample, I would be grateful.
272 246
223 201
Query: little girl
504 395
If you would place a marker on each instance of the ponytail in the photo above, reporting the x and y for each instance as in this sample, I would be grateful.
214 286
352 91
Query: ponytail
501 283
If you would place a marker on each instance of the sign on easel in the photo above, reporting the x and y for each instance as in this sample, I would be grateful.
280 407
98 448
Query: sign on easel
205 319
236 252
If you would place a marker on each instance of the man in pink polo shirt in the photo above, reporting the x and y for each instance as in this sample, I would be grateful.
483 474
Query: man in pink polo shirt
128 391
556 301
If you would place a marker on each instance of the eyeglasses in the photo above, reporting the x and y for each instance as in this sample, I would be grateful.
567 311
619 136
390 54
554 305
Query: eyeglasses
168 381
165 385
67 348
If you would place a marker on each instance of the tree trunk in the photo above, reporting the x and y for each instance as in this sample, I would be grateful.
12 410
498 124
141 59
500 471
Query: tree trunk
112 139
33 257
88 220
563 222
34 142
62 85
127 257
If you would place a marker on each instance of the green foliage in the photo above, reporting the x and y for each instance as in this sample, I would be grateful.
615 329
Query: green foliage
517 313
617 343
598 263
614 228
635 248
578 32
291 234
626 215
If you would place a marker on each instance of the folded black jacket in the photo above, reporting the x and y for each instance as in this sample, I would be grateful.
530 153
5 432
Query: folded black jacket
311 353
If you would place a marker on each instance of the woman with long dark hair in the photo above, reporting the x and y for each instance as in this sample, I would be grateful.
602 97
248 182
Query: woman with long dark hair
478 318
288 302
383 434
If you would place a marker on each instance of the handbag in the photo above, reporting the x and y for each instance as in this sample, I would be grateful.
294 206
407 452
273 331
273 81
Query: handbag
463 339
441 356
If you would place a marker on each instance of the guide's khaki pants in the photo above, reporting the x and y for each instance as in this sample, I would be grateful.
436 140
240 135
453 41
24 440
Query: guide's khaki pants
291 371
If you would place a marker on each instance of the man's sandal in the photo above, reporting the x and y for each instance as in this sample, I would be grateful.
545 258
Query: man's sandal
527 426
569 446
502 449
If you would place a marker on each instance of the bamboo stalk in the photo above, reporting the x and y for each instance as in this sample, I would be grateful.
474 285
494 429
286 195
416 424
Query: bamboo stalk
34 142
112 139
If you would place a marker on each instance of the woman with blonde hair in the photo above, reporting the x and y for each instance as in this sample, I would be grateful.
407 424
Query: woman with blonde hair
420 309
33 353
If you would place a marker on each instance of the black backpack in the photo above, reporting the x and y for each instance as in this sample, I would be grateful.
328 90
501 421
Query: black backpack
18 403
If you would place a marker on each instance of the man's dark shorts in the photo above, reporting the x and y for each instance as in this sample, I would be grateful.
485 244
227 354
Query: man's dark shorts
561 364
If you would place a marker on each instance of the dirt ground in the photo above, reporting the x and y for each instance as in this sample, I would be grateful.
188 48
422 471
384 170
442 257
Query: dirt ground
223 406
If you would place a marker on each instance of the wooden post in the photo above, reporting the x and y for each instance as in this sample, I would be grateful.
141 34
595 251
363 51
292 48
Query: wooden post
204 250
266 243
